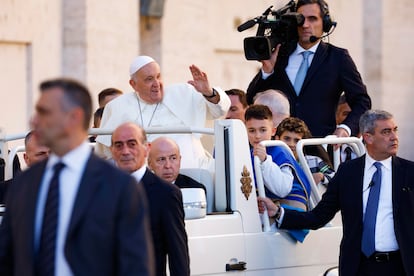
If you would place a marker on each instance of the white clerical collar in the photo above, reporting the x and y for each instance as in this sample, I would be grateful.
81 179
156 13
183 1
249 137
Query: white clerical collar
143 102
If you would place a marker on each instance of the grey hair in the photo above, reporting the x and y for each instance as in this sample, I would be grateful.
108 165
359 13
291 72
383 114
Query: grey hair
368 120
275 100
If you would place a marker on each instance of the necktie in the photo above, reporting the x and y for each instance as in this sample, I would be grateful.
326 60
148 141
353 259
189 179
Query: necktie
300 76
348 153
47 247
368 232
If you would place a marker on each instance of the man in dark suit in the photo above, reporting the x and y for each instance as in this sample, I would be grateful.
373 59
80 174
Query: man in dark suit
330 72
164 159
34 152
89 218
129 150
387 232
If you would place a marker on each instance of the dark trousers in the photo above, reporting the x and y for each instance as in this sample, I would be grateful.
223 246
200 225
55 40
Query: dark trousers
382 264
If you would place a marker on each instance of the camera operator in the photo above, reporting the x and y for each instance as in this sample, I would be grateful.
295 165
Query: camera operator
313 89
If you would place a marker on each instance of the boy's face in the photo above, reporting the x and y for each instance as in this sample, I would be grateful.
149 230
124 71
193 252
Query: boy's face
259 130
291 139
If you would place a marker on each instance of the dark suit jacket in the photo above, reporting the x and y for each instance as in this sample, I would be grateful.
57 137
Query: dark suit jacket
184 181
4 186
345 193
331 72
108 231
167 225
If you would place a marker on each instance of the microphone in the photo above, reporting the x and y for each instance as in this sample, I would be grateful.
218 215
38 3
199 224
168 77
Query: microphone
247 25
369 186
250 23
313 38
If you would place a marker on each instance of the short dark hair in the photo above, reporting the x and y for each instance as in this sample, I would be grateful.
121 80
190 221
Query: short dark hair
27 137
258 112
321 3
367 121
97 115
75 94
108 92
295 125
240 93
135 126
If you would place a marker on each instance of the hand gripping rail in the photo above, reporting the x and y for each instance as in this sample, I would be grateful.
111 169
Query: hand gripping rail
259 177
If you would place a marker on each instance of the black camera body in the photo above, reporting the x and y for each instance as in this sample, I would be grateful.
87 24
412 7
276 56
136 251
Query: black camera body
275 27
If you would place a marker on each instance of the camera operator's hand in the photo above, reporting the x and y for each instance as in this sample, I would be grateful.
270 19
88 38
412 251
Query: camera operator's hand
269 64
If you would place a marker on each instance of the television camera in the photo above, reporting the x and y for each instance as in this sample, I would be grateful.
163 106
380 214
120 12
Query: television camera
275 27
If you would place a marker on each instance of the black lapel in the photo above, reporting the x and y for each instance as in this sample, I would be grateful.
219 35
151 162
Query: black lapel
397 179
90 181
30 193
320 55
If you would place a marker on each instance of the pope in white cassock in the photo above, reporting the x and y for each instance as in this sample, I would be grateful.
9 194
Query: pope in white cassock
183 105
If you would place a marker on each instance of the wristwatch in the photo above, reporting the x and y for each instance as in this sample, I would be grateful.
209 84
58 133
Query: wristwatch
213 95
278 212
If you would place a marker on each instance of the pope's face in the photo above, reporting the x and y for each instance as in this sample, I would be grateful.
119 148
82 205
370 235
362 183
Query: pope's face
148 84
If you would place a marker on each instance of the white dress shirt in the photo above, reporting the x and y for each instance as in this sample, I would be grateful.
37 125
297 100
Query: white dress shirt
295 60
69 180
385 239
138 174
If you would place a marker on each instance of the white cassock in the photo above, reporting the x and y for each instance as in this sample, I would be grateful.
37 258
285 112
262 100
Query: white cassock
181 106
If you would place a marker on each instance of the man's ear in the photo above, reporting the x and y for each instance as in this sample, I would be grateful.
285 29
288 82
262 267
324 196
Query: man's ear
277 137
26 158
273 131
132 83
76 115
367 138
147 147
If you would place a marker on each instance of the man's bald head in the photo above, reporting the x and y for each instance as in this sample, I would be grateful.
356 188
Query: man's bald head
164 158
34 152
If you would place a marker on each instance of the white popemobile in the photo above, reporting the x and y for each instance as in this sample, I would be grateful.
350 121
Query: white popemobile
226 234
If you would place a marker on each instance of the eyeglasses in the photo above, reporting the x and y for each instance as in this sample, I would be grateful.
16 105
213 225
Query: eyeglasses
161 161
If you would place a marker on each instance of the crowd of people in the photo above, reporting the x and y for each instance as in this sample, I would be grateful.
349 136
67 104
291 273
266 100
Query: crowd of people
122 209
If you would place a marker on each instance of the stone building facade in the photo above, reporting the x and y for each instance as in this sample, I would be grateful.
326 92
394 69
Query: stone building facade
94 41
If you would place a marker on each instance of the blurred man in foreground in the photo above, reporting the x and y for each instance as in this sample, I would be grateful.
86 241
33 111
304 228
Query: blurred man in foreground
73 214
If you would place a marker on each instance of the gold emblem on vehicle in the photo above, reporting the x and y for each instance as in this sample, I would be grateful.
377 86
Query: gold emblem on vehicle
246 182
